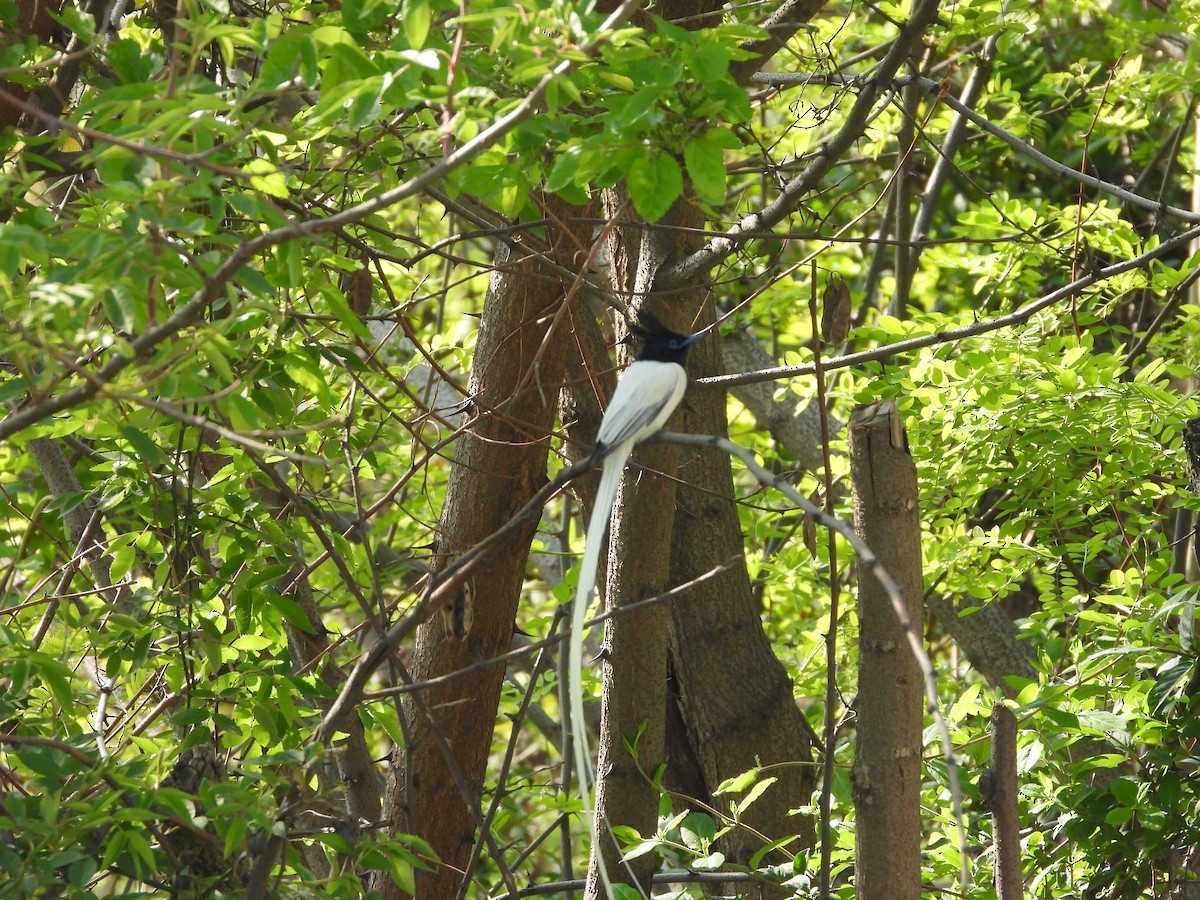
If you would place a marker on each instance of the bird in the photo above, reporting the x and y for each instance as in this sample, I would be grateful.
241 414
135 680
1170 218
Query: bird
646 395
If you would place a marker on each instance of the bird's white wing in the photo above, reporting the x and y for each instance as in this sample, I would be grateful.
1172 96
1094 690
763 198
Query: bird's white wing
645 397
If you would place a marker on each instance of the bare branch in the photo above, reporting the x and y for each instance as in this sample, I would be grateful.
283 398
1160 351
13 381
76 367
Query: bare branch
790 18
966 112
830 152
1019 317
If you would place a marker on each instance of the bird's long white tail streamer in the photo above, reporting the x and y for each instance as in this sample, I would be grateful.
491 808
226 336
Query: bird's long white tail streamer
606 494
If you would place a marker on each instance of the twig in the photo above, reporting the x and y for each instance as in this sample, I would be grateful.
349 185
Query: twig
871 83
953 139
781 25
439 590
956 334
861 111
680 877
558 638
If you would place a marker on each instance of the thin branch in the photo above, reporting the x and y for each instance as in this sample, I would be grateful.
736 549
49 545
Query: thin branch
557 638
871 85
679 877
244 440
831 151
1019 317
440 590
906 146
1179 293
791 17
953 139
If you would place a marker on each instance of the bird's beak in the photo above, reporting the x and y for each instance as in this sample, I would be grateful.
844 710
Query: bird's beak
692 338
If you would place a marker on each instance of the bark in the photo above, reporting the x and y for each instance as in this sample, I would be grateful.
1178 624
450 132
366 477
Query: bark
887 765
32 20
990 641
499 462
1002 801
734 696
62 481
797 430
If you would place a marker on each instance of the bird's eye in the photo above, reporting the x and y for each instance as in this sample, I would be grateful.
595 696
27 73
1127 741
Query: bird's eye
673 344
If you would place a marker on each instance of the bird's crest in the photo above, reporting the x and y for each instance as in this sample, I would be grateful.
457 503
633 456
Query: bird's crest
647 326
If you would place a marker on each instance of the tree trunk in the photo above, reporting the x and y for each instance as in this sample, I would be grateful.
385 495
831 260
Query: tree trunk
32 19
734 697
887 766
1002 801
499 462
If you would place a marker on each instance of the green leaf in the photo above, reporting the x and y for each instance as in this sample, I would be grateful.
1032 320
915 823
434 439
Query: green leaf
738 783
341 308
709 863
294 53
761 854
641 849
126 309
1102 720
73 19
697 830
1125 790
1167 688
214 352
363 16
710 63
618 81
243 414
756 792
57 677
654 184
131 61
635 108
143 445
190 716
562 173
416 15
251 643
706 167
291 611
267 177
122 561
1187 625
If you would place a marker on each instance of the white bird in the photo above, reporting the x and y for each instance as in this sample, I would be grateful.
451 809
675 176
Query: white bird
645 397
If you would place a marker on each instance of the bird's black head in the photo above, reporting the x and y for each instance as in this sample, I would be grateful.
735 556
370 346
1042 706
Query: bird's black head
660 343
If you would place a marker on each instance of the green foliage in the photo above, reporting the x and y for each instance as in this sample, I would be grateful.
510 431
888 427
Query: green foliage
265 470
